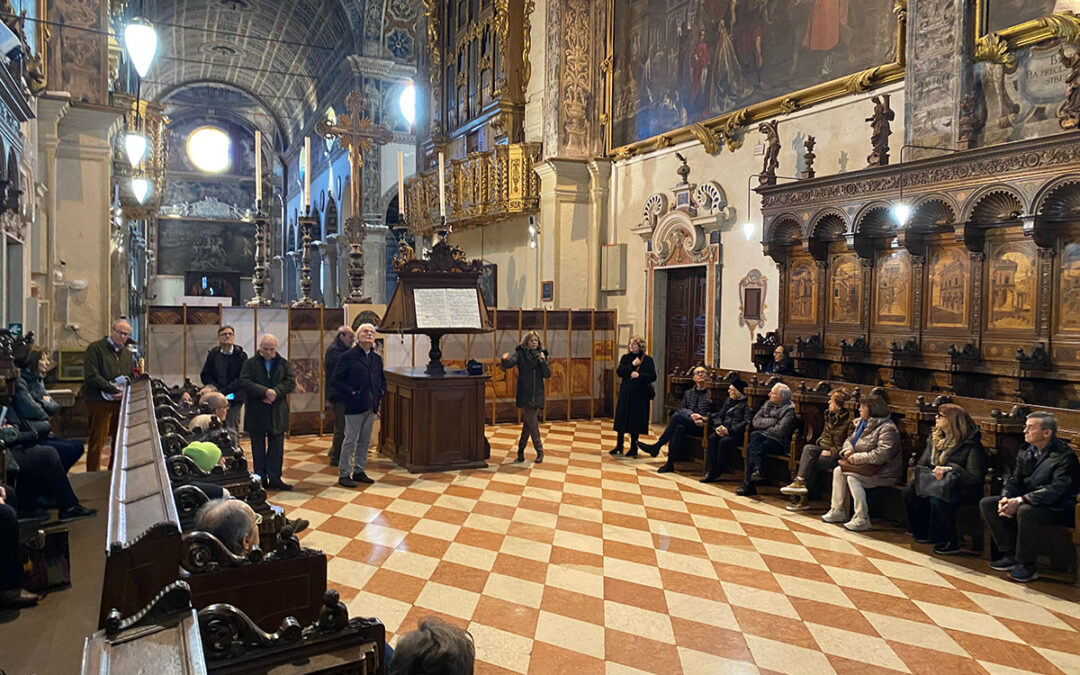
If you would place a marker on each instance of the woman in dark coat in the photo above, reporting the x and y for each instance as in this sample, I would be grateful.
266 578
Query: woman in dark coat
954 453
533 369
638 372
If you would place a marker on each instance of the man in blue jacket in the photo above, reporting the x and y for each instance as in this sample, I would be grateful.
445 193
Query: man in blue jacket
358 378
1041 491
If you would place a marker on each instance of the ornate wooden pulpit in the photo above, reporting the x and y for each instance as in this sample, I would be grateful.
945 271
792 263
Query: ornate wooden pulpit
432 419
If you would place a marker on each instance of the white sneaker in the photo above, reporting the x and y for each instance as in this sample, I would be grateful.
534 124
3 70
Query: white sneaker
858 525
834 516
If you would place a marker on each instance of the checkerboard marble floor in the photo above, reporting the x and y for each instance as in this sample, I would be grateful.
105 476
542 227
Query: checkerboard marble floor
590 564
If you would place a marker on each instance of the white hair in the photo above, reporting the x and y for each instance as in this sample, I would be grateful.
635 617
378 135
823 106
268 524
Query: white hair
784 390
369 325
268 336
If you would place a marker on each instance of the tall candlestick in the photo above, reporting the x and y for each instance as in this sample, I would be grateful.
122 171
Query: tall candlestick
442 187
400 182
258 167
307 171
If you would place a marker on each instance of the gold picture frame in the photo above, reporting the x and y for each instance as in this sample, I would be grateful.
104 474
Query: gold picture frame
726 128
996 47
70 364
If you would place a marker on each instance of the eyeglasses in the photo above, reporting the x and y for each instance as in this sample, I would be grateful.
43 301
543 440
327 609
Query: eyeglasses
258 519
939 415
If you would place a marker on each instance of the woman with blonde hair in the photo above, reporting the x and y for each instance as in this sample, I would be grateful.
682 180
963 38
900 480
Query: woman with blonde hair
638 372
533 368
950 473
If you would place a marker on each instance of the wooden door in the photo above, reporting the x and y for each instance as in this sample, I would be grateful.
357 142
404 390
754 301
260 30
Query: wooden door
685 319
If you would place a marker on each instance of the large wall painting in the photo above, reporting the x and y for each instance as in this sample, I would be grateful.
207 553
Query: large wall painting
892 289
803 292
208 246
678 63
845 288
1012 286
950 269
1002 14
1070 288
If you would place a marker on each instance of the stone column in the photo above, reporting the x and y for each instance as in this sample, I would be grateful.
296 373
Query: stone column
375 263
565 214
940 48
599 189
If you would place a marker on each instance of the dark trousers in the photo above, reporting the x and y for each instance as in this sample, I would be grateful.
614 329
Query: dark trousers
339 429
42 476
719 453
931 518
759 446
1020 534
267 454
811 463
10 569
633 442
675 436
69 450
530 428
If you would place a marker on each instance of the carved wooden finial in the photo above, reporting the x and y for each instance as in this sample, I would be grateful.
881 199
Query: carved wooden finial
808 158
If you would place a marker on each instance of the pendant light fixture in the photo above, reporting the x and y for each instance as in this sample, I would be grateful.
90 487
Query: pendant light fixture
141 42
140 187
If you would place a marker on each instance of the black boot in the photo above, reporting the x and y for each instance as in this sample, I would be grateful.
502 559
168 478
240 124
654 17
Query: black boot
521 454
539 455
667 468
651 448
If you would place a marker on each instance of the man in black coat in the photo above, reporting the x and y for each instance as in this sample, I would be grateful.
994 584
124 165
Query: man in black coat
222 370
782 364
729 427
1041 491
341 344
688 420
358 377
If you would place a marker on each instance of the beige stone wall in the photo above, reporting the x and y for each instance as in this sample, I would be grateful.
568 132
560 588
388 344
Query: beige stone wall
843 142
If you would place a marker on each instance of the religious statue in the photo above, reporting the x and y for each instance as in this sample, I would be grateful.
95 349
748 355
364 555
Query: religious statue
772 153
881 130
809 157
1069 111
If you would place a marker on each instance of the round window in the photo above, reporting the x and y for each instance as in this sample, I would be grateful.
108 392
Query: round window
208 149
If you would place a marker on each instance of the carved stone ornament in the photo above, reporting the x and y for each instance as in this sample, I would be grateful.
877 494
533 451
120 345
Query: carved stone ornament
753 289
678 241
655 208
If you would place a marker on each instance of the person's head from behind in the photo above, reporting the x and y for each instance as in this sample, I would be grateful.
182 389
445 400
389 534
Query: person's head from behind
434 648
232 521
216 402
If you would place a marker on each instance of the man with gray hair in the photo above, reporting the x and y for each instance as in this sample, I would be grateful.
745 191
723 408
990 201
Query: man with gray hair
342 343
770 433
1041 491
267 380
233 522
109 365
358 378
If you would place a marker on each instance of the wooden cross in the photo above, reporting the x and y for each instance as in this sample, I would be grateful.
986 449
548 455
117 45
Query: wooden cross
355 134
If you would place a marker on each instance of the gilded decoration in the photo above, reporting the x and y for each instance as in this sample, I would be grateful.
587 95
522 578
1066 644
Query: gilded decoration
845 288
738 63
483 187
892 289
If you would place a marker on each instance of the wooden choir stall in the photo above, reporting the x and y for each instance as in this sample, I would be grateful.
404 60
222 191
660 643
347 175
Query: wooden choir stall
433 419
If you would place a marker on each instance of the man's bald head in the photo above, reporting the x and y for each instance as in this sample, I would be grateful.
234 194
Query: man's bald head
268 346
216 401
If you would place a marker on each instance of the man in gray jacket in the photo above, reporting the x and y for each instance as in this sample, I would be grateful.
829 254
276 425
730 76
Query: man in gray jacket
771 433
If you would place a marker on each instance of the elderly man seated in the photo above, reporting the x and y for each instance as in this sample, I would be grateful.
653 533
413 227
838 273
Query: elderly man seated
232 521
688 420
771 431
1041 491
219 407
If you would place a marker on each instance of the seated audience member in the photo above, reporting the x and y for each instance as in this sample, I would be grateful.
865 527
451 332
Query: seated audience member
782 364
42 479
871 457
219 407
11 595
434 648
688 420
205 454
34 405
954 453
232 521
1041 491
730 422
772 427
822 455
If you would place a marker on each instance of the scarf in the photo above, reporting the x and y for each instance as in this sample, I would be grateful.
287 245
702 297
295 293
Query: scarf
941 446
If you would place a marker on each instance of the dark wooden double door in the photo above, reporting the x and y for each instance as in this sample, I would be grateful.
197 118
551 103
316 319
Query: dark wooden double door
685 319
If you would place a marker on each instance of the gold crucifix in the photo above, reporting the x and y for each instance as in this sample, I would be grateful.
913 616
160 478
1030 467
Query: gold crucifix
356 134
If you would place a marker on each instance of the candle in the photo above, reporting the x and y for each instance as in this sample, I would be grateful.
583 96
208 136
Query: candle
442 188
258 167
307 171
401 182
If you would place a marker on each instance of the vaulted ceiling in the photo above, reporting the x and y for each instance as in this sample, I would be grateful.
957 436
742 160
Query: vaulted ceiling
285 53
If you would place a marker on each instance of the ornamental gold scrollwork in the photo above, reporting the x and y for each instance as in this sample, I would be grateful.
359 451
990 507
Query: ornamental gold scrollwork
708 139
526 73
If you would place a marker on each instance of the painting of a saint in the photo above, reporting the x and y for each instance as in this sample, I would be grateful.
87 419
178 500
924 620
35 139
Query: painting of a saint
1069 310
1001 14
893 289
716 56
802 292
845 289
949 274
1012 286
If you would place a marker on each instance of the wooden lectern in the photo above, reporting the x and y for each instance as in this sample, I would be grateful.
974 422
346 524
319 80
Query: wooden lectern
433 420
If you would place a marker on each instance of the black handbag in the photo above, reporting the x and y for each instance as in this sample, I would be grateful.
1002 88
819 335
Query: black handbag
927 485
46 561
